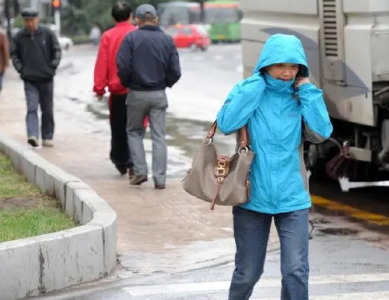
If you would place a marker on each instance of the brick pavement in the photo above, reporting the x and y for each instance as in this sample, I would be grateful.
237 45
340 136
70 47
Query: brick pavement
157 230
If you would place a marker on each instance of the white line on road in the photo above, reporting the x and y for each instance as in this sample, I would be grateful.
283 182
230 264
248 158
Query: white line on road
348 296
198 58
218 57
263 283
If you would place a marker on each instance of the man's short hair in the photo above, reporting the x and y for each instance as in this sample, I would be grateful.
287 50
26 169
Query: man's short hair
121 11
146 12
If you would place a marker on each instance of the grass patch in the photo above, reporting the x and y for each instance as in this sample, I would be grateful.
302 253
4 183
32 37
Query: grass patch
24 210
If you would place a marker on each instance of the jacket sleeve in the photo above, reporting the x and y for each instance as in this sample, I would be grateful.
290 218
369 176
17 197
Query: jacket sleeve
317 123
240 104
101 68
56 53
173 73
15 55
124 61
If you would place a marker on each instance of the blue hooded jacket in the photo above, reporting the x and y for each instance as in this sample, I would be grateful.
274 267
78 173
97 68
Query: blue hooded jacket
276 114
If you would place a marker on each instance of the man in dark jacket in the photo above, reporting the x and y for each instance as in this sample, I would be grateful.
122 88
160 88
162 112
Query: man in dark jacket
147 64
36 55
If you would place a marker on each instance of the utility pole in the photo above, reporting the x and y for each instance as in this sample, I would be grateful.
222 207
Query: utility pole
7 14
202 13
56 4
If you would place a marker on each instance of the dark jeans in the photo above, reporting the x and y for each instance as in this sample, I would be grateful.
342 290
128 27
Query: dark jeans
251 231
40 93
120 152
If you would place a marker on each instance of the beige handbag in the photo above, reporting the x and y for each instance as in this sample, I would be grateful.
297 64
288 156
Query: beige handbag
220 179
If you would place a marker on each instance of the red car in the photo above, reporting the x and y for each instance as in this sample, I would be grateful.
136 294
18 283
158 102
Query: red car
189 36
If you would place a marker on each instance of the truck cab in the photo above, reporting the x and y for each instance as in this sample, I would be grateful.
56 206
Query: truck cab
346 43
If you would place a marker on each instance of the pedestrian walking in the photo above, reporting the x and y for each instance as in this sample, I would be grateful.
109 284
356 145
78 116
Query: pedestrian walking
278 104
105 75
95 34
4 55
148 63
36 54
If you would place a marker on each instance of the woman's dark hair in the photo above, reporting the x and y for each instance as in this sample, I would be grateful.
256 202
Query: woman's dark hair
121 11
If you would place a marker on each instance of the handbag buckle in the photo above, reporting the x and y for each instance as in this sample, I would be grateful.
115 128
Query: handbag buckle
221 171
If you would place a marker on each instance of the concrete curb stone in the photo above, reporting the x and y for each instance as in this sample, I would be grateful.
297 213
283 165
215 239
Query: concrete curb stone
37 265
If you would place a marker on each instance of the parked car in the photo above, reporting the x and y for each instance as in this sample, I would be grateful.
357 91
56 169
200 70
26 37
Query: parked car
65 42
189 36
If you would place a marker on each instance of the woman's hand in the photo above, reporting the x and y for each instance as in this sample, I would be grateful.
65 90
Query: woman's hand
300 81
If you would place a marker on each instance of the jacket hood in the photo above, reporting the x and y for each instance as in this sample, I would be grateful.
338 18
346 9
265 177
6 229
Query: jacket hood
282 48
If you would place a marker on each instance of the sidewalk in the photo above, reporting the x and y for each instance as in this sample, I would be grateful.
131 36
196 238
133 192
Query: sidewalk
158 230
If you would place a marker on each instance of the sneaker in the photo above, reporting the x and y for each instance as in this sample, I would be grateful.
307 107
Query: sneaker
138 179
160 186
48 143
33 141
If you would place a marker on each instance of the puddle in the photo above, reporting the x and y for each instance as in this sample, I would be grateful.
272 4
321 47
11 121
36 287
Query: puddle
321 221
184 137
339 231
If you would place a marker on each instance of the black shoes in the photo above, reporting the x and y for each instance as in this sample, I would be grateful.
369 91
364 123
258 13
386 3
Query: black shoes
122 170
33 141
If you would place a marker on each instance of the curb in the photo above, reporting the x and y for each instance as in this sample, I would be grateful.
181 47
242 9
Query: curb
51 262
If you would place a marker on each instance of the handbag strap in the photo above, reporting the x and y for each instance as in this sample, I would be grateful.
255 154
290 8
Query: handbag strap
242 134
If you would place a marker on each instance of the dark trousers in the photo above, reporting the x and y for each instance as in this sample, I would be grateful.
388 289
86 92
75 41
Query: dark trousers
120 152
251 231
40 94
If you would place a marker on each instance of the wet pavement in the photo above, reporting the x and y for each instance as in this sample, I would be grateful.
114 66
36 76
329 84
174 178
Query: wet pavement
154 227
350 270
167 238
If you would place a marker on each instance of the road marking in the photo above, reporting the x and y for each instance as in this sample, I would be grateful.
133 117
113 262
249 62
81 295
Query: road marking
348 296
263 283
351 211
198 58
218 57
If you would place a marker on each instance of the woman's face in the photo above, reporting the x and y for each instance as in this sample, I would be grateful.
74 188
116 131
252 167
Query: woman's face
283 71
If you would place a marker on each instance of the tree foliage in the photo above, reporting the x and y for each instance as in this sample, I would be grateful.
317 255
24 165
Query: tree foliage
80 15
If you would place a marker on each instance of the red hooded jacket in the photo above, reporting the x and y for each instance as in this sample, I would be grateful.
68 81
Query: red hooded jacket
105 73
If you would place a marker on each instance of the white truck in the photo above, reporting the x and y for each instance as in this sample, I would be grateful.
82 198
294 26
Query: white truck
347 47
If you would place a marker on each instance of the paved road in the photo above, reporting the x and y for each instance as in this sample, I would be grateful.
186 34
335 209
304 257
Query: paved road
339 247
343 268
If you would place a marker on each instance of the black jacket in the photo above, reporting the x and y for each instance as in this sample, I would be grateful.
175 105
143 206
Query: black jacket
148 60
36 55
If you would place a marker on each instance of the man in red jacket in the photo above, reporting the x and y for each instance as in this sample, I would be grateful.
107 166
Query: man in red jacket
105 74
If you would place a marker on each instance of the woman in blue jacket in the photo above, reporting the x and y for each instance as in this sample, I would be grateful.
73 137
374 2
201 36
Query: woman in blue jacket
279 105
